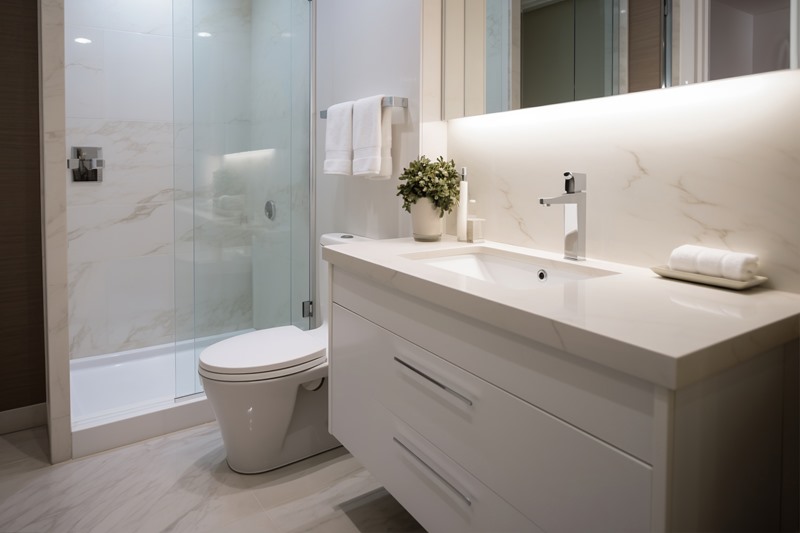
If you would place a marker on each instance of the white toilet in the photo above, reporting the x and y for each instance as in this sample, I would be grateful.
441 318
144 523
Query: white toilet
269 391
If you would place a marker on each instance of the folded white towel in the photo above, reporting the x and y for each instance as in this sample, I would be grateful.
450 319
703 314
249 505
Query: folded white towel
339 140
739 266
713 262
372 138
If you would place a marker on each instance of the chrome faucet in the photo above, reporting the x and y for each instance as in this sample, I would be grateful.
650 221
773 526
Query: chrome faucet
574 201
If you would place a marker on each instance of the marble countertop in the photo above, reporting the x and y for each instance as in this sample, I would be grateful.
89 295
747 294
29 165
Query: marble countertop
668 332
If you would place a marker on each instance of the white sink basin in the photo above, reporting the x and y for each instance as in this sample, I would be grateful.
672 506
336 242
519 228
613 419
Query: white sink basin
508 269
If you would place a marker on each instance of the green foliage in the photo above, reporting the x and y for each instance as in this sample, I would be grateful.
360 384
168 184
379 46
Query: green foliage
437 180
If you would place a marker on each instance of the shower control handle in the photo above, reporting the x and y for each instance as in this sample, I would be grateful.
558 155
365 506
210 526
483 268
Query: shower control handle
86 163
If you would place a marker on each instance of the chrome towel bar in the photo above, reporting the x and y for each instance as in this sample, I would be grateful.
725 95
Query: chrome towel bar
388 101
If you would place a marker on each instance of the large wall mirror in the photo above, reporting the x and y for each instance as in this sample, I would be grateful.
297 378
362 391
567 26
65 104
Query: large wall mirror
500 55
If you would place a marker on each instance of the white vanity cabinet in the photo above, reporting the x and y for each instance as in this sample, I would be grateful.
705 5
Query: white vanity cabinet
440 493
475 429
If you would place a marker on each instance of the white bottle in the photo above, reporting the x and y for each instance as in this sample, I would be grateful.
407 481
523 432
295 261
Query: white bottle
463 201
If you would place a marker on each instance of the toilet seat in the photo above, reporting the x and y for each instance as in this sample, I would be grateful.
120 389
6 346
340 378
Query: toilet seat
263 376
264 354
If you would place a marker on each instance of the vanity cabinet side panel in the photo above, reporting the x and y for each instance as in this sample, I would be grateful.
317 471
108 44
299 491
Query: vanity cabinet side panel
663 432
727 455
616 408
353 376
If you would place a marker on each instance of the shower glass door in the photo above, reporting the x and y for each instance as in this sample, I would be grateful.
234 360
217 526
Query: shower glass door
242 145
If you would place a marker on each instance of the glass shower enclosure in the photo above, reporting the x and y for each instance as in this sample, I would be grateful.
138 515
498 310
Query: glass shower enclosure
242 171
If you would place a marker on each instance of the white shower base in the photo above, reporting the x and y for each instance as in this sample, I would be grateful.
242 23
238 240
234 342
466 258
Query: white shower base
126 397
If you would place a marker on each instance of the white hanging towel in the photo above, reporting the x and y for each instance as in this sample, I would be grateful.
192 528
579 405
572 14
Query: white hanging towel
339 140
372 139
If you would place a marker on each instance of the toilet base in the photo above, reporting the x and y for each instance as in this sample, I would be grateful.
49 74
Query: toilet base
272 423
307 435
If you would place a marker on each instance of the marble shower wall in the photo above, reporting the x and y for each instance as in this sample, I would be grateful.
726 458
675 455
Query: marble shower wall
119 97
716 164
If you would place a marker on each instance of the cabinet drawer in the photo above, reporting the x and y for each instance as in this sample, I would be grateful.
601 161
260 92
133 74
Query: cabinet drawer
558 476
440 494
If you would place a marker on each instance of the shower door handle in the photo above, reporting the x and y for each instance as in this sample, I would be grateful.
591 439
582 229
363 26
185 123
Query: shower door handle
270 209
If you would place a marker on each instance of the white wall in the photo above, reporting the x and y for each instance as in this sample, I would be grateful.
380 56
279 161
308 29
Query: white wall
713 163
363 48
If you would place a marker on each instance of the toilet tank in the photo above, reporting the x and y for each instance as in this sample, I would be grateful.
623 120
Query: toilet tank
327 239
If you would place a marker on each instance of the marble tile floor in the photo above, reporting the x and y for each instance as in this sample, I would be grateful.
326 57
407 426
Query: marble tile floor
180 482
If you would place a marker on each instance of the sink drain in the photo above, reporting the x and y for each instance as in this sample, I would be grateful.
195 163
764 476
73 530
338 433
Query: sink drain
542 274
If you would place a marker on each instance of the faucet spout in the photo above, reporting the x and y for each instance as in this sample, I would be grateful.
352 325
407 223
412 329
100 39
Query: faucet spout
564 199
574 202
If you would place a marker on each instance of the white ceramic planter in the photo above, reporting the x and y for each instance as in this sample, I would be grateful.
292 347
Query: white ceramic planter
426 224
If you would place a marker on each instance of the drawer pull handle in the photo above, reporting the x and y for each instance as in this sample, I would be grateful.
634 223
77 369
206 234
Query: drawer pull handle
435 382
434 472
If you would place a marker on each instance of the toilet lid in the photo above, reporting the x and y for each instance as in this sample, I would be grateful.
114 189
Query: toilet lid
265 350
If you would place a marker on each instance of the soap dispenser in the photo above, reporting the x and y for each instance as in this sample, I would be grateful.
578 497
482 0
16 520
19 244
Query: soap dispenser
463 201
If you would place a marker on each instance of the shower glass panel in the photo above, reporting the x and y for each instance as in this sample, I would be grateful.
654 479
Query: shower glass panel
242 145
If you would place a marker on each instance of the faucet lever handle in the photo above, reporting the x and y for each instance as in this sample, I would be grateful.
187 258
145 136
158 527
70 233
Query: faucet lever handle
574 182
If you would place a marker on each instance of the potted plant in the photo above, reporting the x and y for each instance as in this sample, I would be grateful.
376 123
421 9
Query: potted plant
429 190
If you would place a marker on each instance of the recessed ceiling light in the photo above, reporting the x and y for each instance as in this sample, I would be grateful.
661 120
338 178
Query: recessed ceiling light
203 34
82 40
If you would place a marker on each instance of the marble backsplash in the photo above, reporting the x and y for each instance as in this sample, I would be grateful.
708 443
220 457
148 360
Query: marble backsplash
715 164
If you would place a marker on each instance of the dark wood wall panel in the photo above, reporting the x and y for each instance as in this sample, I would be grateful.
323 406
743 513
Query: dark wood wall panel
22 381
644 45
